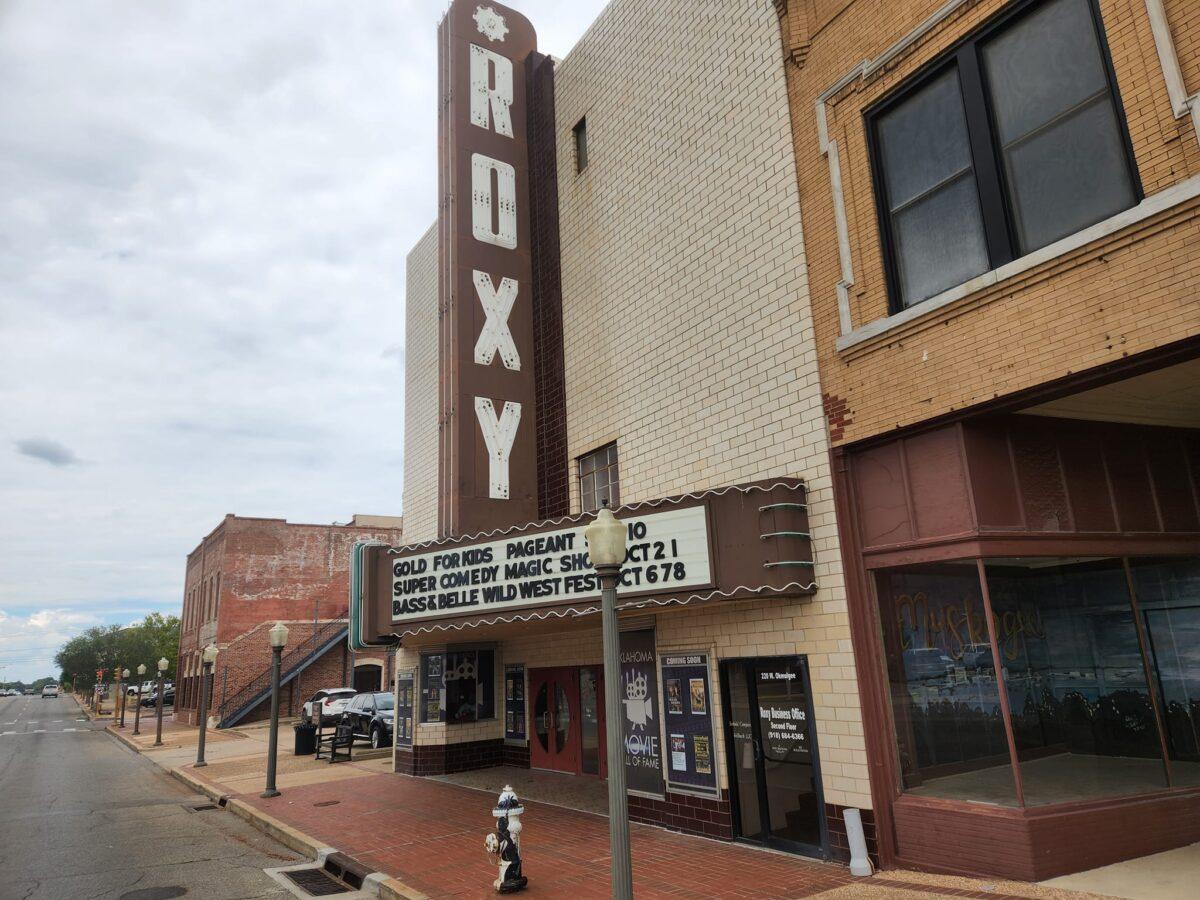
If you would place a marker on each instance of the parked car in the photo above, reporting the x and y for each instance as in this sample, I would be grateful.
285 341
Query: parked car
331 702
147 687
50 690
371 717
150 700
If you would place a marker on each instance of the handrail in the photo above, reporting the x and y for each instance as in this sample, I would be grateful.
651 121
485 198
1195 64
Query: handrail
290 661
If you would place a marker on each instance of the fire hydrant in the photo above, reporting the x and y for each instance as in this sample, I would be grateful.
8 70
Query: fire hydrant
505 842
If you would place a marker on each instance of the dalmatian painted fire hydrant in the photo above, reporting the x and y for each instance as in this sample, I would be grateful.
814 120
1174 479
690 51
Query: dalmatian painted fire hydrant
504 844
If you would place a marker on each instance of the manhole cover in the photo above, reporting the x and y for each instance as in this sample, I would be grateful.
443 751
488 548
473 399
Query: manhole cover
316 882
158 893
328 803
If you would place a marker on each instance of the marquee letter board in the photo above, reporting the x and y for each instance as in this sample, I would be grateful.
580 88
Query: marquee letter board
687 712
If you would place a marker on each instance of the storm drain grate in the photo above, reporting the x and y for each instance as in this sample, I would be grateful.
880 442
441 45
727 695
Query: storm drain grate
201 807
316 882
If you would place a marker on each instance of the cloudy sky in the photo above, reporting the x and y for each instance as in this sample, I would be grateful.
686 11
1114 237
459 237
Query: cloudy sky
204 211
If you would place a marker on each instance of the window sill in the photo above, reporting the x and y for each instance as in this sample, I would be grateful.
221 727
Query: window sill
1151 206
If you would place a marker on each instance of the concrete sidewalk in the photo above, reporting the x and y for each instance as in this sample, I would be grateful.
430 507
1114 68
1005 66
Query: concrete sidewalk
427 836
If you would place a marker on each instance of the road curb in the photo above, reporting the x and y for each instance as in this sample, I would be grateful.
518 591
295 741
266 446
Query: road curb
200 787
128 742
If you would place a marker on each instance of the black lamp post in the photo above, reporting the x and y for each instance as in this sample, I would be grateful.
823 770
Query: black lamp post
137 713
279 636
123 697
210 657
162 670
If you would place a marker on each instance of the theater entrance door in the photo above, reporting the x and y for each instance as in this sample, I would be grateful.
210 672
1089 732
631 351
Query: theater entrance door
568 720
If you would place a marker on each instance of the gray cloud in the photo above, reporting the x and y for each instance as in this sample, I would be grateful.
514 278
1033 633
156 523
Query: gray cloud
47 451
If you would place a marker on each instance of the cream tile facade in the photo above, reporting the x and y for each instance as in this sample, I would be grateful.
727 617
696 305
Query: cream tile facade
687 327
421 390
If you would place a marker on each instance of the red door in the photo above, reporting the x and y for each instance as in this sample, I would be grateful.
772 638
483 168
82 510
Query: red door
555 742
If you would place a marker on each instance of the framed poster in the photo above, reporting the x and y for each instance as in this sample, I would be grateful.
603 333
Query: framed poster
689 721
405 706
433 687
514 703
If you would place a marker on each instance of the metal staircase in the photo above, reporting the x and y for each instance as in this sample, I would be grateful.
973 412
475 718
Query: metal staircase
236 707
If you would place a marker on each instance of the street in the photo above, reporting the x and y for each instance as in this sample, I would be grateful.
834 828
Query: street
84 817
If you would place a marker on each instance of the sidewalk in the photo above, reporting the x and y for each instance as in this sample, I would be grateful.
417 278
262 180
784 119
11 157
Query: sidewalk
427 835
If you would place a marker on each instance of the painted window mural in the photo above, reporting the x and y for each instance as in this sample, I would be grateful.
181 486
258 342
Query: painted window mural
1102 681
945 694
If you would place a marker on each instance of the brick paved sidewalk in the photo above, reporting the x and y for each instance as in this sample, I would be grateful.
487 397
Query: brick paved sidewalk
430 836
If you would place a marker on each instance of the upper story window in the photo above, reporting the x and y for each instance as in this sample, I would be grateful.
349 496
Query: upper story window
580 131
1013 141
598 479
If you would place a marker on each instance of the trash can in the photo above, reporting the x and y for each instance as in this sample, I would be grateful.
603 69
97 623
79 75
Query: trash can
306 739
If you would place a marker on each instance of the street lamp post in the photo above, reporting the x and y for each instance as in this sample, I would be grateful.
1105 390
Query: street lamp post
116 691
210 657
162 670
137 713
125 676
279 636
606 547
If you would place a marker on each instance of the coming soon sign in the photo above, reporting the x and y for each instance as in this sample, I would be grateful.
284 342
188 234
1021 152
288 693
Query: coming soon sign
488 472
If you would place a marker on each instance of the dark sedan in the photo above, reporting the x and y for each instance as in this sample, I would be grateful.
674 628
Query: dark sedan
371 716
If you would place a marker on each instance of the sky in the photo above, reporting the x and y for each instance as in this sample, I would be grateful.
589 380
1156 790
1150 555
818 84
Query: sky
205 208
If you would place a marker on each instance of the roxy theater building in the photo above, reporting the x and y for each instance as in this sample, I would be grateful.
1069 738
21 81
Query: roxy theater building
613 308
1002 218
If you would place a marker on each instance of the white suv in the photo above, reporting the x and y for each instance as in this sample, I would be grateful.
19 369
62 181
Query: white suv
50 690
329 704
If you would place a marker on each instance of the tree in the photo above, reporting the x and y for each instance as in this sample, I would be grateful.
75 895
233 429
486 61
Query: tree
106 647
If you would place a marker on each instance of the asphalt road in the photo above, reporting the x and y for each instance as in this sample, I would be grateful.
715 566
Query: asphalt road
82 817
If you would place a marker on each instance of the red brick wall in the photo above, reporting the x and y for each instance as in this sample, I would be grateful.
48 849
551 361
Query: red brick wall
267 570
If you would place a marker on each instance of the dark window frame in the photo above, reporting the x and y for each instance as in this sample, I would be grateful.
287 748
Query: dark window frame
967 57
579 133
613 469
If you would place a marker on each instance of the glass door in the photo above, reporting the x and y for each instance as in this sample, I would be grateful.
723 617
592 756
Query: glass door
773 763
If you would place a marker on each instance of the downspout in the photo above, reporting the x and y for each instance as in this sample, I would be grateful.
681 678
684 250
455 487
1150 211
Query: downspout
1182 103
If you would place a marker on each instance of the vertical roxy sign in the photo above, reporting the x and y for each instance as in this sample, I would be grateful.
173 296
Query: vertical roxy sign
488 475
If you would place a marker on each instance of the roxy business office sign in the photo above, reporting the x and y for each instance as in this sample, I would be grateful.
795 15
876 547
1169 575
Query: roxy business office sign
667 551
488 468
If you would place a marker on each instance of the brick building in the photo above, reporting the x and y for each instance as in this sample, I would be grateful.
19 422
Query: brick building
1001 204
246 575
671 350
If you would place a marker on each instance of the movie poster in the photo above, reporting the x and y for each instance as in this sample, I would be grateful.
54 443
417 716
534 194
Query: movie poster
674 697
679 753
699 698
701 752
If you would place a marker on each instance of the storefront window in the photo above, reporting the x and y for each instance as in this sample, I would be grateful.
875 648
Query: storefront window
1168 596
458 686
945 697
1083 719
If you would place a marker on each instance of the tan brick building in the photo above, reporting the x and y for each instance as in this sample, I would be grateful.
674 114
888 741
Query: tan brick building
246 575
675 355
1001 204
